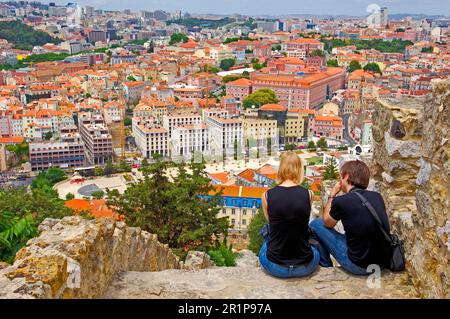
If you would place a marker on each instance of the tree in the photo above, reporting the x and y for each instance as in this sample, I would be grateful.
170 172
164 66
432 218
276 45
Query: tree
332 63
255 240
98 194
269 146
70 196
226 64
372 67
131 78
151 47
144 163
354 65
98 171
276 47
260 97
177 38
331 171
235 149
311 145
177 210
322 143
427 49
318 52
109 168
127 121
48 136
290 147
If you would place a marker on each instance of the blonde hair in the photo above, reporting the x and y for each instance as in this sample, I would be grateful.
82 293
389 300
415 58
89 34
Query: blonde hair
291 167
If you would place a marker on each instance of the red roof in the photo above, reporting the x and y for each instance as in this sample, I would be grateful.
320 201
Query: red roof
11 140
273 107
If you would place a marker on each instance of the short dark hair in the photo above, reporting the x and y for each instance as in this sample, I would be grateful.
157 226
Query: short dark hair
358 173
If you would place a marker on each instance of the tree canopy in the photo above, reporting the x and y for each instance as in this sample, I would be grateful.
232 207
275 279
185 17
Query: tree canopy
372 67
226 64
175 209
354 65
24 37
260 97
332 63
177 38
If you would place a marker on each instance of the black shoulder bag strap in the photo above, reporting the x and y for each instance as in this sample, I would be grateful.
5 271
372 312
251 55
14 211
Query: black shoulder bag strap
369 206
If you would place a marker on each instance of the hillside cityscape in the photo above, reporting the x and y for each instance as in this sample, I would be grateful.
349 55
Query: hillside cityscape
174 122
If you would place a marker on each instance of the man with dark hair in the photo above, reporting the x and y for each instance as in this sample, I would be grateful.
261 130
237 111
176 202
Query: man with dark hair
363 243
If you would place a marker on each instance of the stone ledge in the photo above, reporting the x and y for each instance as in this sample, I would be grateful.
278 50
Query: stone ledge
77 258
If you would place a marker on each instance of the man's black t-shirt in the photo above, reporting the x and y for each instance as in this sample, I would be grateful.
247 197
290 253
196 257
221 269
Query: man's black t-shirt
365 242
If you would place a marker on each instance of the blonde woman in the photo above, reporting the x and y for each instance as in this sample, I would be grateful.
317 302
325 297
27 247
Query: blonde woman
286 251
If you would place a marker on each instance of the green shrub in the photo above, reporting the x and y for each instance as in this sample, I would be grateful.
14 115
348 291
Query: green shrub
15 231
255 239
223 256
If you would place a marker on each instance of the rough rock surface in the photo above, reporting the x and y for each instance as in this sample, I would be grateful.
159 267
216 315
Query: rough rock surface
247 280
77 258
412 171
197 260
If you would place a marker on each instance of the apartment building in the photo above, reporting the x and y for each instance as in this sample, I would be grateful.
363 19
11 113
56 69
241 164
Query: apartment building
240 204
113 112
302 48
259 130
294 127
171 121
96 137
328 126
239 89
188 140
150 138
132 90
66 153
225 134
304 91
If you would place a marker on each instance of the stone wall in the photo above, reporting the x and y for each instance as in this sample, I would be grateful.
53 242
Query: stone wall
77 258
411 166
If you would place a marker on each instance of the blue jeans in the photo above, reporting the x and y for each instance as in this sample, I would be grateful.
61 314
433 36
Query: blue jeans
329 241
281 271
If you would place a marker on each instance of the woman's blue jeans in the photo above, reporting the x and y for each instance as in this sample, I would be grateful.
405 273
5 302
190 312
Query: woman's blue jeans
329 241
282 271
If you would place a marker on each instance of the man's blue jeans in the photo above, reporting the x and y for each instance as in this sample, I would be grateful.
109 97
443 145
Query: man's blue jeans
281 271
329 241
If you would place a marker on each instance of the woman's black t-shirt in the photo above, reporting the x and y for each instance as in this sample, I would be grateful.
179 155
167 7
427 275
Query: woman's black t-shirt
289 209
365 242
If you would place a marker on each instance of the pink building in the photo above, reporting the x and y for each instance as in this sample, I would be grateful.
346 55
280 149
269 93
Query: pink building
239 89
303 91
229 103
262 51
327 125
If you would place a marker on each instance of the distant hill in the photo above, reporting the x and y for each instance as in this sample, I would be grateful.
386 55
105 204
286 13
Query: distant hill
24 37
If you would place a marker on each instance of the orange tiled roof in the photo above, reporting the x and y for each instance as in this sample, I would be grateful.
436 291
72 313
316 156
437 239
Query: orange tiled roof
240 82
97 208
239 191
247 174
273 107
222 177
11 140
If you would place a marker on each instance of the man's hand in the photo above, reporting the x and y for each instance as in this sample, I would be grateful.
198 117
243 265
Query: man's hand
336 189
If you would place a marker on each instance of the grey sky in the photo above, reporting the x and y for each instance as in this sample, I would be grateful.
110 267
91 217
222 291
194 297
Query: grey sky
350 7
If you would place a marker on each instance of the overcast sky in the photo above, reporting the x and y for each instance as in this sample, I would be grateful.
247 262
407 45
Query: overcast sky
272 7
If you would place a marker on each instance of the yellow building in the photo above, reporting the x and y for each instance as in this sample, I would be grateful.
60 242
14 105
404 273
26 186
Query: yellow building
259 130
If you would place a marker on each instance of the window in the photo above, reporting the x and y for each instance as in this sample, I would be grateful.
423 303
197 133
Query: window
224 211
233 211
233 202
233 221
244 212
244 222
245 202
